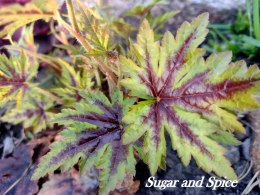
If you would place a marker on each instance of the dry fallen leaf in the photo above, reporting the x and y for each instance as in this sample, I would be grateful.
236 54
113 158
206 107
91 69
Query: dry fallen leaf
70 183
16 171
127 187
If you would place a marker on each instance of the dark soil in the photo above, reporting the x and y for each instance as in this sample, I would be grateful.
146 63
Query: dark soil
239 157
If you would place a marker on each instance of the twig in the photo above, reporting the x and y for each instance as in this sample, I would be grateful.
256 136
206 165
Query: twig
252 184
110 75
72 16
246 170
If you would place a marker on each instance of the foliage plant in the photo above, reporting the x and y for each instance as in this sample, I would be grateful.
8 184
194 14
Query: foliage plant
116 106
242 36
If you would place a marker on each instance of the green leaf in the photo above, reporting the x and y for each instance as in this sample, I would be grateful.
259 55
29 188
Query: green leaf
93 134
187 96
16 74
251 41
225 137
143 8
26 41
16 15
158 22
95 30
34 112
72 82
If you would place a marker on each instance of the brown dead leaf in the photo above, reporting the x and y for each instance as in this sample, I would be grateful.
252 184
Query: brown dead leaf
70 183
127 187
26 186
16 171
42 141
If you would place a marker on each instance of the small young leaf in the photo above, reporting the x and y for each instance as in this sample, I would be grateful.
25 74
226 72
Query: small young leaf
143 8
73 82
186 96
93 135
158 22
95 29
26 40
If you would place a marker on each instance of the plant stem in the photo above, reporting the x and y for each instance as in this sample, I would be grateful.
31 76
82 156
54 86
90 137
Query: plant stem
103 67
119 73
72 15
97 78
110 75
256 21
249 15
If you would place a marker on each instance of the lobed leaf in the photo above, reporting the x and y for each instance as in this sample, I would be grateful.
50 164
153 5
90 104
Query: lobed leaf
15 16
34 112
26 41
16 75
95 30
193 99
73 82
158 22
94 136
143 8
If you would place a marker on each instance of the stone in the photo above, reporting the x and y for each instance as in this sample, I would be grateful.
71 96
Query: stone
233 154
246 148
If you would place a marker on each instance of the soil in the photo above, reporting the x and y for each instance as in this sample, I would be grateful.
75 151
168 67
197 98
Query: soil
239 157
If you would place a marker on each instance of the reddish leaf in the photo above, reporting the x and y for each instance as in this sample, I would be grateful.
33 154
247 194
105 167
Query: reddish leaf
16 75
94 135
186 96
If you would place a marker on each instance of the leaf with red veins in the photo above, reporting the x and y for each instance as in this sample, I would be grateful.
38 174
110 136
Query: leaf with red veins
191 98
14 16
72 82
93 135
15 76
34 113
